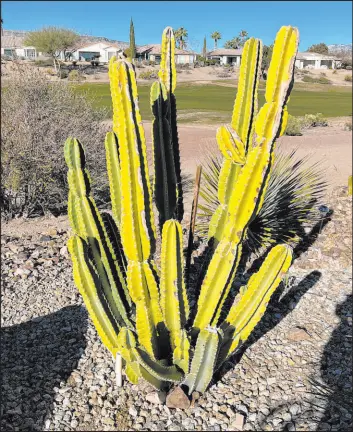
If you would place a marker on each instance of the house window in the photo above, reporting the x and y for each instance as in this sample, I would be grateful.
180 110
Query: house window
9 52
30 53
88 55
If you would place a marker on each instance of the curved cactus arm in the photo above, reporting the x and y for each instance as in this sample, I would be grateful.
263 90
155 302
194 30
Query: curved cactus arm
174 302
89 285
113 170
155 368
246 102
137 220
250 305
165 181
89 225
167 76
203 362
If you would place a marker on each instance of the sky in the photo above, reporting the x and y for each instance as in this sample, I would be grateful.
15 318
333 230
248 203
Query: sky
317 21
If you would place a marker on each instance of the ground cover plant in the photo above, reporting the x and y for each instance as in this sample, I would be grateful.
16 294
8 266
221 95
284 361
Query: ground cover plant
143 314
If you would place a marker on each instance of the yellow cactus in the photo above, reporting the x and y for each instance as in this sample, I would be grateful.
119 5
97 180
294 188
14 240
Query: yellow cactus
144 318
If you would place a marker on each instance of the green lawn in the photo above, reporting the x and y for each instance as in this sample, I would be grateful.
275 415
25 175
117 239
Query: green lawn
215 102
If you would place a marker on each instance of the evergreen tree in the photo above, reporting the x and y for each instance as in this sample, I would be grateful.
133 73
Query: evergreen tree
204 50
132 41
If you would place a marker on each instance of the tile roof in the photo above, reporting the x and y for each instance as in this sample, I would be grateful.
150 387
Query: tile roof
225 52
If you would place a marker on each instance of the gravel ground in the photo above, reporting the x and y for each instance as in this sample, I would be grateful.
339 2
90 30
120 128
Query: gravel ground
293 375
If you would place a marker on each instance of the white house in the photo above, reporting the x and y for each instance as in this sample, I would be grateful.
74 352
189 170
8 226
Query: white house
153 52
226 56
310 60
12 45
101 51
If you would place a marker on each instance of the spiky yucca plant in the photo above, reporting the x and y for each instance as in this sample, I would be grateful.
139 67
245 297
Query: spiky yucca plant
295 188
142 312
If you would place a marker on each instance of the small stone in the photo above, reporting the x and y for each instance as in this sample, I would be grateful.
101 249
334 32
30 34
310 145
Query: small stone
47 424
44 238
238 422
271 381
156 397
177 399
133 411
297 334
294 409
63 251
287 417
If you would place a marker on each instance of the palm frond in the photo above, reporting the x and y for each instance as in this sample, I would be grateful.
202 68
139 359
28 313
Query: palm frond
295 188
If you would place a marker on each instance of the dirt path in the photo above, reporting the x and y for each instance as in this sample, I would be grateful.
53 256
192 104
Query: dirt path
330 144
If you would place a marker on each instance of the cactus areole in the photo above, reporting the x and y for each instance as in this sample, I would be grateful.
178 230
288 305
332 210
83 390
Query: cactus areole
141 312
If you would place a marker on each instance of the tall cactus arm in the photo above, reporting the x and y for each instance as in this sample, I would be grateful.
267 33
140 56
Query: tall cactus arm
167 71
89 284
203 362
165 181
143 287
113 170
89 225
246 102
174 302
252 180
167 76
250 305
216 284
137 220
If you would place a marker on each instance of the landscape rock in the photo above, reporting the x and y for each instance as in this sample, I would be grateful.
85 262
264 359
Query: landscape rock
176 398
297 334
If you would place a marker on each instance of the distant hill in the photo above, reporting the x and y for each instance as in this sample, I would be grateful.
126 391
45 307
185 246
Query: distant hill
15 38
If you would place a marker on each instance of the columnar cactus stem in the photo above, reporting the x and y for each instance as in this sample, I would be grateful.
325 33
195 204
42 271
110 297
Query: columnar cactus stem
145 319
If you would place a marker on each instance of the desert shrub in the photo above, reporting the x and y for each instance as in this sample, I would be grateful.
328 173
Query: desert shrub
36 118
75 75
223 74
348 78
313 120
320 80
295 126
322 74
305 71
43 62
334 72
50 71
348 125
147 75
211 62
151 63
63 73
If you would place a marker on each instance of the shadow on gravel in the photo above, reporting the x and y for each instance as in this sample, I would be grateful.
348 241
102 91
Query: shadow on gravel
278 308
35 357
330 397
335 385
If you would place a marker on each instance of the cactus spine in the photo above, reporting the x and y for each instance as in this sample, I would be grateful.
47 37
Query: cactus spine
141 315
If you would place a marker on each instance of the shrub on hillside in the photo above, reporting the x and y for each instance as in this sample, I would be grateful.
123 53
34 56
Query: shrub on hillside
36 118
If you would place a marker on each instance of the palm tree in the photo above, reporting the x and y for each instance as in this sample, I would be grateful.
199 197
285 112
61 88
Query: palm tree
181 35
216 36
